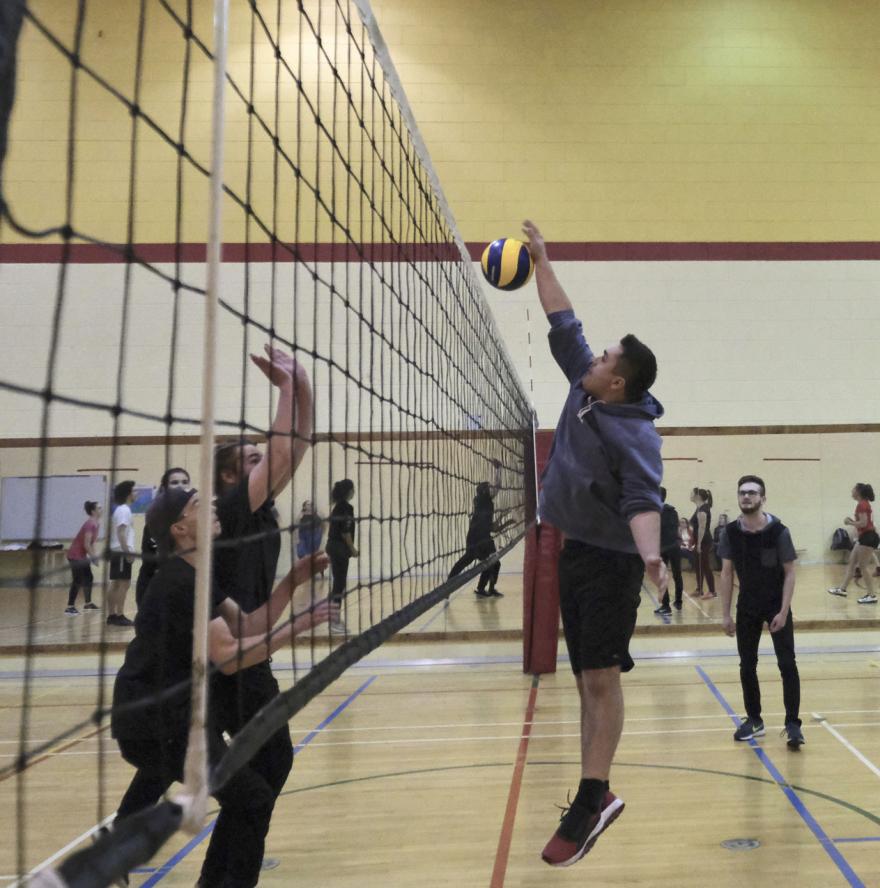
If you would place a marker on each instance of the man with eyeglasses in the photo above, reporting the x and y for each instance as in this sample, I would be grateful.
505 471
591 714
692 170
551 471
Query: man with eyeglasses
759 547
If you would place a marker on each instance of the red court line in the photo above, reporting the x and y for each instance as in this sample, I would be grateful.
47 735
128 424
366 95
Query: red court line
53 751
504 840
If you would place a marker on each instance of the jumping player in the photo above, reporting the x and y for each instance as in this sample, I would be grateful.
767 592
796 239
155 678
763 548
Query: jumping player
601 488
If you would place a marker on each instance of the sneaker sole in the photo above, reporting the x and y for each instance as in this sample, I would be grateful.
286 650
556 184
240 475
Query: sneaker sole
606 818
760 733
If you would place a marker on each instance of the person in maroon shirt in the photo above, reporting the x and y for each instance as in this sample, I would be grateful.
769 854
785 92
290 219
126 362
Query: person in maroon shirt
866 546
82 552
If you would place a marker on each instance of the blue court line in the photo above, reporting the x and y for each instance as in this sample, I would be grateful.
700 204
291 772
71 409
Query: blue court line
795 800
172 861
863 839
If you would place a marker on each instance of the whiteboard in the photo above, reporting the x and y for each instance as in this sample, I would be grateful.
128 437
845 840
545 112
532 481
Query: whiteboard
63 499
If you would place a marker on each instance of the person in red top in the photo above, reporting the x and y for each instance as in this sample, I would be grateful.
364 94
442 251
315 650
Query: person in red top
865 547
82 552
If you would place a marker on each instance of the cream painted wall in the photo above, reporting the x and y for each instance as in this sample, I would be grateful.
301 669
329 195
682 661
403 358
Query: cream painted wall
737 343
381 367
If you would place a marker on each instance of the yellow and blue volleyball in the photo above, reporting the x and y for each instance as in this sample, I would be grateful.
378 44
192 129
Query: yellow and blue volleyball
507 263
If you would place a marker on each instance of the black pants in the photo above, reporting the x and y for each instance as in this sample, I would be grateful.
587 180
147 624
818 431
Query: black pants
748 635
235 852
672 558
340 555
82 579
479 552
237 699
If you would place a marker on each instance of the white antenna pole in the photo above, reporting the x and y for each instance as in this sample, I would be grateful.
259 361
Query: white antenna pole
195 791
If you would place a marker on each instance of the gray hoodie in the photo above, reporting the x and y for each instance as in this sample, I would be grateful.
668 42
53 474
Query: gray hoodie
599 474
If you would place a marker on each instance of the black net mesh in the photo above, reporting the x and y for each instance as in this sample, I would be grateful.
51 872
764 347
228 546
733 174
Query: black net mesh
337 252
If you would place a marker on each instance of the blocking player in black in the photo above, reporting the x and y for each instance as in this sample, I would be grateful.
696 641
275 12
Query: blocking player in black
152 736
247 480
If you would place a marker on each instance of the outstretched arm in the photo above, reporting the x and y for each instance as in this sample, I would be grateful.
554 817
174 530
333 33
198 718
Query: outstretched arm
291 430
260 621
550 292
231 654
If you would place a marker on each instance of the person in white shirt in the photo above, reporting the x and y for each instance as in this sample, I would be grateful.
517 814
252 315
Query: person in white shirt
121 554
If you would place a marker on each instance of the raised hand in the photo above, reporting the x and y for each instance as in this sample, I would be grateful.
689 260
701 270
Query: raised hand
278 366
536 244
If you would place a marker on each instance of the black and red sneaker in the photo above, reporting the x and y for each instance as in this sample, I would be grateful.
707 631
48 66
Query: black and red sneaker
579 829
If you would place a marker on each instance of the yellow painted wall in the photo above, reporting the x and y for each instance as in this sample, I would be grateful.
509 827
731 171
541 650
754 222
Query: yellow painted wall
656 120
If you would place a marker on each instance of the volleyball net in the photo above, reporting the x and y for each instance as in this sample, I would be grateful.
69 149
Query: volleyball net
336 248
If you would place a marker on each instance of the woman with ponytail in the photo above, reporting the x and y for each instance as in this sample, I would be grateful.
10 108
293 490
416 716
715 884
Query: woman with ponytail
701 522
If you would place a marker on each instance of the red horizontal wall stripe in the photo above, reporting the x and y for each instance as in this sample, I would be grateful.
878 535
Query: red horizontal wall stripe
812 251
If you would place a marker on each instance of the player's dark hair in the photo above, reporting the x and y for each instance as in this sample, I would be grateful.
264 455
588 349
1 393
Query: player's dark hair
705 495
755 480
163 484
865 492
122 492
227 458
637 365
90 506
341 490
663 493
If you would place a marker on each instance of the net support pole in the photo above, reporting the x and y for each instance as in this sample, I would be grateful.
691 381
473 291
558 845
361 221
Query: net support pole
194 796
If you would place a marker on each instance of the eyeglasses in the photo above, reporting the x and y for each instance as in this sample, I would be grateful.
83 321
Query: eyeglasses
749 492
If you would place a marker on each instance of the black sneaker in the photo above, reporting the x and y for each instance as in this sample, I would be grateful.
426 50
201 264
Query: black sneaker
122 620
88 606
496 594
71 611
677 605
482 593
112 620
122 881
795 736
749 728
663 609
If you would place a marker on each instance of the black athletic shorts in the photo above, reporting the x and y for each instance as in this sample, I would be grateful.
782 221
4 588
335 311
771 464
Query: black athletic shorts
870 539
599 597
120 566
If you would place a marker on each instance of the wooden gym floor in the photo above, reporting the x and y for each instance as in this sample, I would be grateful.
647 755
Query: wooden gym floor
439 764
